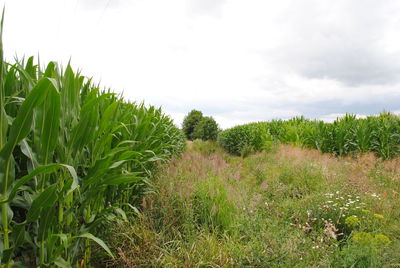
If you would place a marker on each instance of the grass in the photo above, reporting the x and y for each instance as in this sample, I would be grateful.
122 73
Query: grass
289 207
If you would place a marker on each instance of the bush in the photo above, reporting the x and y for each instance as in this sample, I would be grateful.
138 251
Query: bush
206 129
190 122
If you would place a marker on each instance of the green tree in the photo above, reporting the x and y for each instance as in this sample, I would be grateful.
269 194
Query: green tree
206 129
189 123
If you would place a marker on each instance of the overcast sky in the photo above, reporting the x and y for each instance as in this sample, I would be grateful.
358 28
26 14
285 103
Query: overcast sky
238 61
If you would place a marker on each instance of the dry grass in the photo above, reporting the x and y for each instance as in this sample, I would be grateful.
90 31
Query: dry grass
354 170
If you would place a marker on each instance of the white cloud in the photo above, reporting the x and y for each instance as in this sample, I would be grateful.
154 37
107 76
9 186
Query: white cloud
238 61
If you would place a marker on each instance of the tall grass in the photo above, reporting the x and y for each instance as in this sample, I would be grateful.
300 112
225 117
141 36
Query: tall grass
73 158
346 135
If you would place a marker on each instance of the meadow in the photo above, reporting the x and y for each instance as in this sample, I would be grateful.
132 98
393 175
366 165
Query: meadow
285 207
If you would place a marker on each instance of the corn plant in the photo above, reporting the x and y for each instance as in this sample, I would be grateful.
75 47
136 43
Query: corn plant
73 158
346 135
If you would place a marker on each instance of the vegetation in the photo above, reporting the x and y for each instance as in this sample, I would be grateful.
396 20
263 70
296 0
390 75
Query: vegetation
77 161
195 126
345 136
73 159
206 130
190 122
289 207
241 140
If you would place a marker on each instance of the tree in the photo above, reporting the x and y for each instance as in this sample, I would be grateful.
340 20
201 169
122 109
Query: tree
189 123
206 129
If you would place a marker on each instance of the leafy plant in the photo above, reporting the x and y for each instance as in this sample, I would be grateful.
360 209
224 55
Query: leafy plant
73 158
206 129
345 136
190 122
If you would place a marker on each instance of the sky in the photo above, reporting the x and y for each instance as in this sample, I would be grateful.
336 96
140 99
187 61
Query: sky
236 60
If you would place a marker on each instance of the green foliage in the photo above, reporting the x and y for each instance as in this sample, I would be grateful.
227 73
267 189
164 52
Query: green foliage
73 158
206 129
301 181
363 250
211 207
190 122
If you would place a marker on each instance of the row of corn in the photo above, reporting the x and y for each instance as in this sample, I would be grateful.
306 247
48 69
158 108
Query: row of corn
73 159
347 135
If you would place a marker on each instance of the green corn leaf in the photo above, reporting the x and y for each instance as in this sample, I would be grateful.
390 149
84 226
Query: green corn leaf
47 221
98 241
47 169
45 200
21 127
122 179
60 262
49 125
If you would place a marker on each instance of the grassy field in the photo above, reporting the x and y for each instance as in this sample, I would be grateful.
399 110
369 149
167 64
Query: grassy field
289 207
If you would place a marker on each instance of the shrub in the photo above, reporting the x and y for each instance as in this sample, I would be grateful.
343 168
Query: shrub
206 129
190 122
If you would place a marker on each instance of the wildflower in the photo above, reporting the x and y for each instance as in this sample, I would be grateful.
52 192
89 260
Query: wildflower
362 238
352 221
381 240
309 212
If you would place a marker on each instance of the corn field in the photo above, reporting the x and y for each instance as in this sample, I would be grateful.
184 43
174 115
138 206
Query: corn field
73 158
345 136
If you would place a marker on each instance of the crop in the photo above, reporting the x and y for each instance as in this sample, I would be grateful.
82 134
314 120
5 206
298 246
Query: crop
242 138
345 136
73 158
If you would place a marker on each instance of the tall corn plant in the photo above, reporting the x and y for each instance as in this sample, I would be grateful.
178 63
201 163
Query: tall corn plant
73 158
346 135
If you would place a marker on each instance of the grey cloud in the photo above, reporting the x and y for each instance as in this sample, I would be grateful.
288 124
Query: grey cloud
339 40
373 106
353 66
